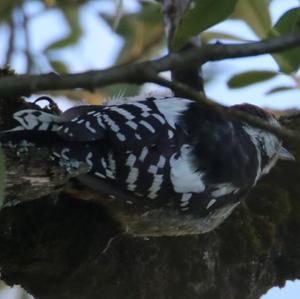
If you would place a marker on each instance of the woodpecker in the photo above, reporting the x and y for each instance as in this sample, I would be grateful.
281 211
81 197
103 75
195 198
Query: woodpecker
159 152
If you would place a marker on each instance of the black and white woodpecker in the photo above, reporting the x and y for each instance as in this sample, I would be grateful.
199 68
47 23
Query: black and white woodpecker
160 152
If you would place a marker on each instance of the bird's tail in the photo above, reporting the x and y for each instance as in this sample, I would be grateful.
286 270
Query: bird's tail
43 130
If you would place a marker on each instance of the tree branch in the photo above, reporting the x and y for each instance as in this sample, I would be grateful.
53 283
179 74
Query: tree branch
135 73
173 12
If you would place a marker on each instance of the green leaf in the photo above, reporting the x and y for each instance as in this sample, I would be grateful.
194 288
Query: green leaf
6 10
2 177
256 14
288 61
289 21
200 15
142 32
248 78
58 66
72 18
280 89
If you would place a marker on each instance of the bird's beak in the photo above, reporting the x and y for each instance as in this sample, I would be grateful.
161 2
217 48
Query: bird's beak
284 154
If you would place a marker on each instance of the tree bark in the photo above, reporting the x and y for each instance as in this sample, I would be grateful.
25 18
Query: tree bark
57 246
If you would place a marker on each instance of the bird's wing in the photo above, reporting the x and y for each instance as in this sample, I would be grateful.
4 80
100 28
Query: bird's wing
127 125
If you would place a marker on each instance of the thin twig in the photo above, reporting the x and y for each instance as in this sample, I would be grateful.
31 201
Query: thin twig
185 91
27 50
11 40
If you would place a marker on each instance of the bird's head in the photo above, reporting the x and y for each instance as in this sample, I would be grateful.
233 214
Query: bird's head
269 147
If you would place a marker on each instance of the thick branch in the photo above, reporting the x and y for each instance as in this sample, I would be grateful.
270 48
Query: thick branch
54 247
139 72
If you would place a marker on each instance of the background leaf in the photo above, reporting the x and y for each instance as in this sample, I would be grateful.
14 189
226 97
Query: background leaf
288 61
256 14
72 18
280 89
199 16
58 66
6 10
248 78
142 32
